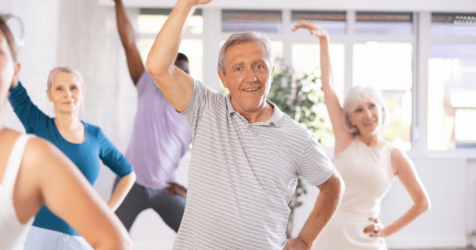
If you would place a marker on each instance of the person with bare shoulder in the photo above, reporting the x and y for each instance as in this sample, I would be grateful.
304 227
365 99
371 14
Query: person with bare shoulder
160 138
368 164
247 154
33 173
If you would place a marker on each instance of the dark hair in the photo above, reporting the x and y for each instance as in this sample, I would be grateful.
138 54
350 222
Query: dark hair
181 56
10 40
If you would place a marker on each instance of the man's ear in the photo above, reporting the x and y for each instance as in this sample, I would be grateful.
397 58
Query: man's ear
222 78
272 72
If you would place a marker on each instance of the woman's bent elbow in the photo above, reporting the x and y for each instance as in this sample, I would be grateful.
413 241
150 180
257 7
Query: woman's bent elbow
424 205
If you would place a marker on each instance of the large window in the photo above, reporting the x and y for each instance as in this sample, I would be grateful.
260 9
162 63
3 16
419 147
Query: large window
379 49
252 20
332 21
453 24
151 21
452 96
384 23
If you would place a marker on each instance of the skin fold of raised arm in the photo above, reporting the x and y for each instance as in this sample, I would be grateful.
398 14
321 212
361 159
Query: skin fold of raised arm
328 200
128 39
67 193
175 84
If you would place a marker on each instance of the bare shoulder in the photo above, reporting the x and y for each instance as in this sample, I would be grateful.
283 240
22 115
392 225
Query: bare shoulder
398 155
400 161
42 154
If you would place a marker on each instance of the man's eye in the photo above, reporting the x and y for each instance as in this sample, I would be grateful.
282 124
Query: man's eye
238 69
372 105
74 88
260 66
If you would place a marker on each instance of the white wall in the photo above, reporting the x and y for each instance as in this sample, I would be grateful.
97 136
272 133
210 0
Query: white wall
38 55
83 35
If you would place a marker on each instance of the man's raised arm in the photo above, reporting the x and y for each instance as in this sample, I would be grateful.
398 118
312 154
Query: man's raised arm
175 84
128 39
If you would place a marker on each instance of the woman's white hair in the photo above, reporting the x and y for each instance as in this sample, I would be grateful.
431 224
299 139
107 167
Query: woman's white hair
358 94
68 70
244 37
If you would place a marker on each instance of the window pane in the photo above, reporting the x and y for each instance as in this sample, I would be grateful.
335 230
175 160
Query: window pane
305 60
388 67
252 20
451 96
192 48
152 20
384 23
332 21
453 24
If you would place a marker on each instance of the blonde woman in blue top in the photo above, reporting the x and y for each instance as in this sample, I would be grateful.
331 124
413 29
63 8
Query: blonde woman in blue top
33 173
83 143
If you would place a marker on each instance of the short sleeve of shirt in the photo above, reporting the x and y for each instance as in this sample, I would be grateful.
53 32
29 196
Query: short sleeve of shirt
202 97
315 166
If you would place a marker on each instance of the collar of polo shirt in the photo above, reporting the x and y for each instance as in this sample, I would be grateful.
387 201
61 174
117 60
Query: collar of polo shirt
276 119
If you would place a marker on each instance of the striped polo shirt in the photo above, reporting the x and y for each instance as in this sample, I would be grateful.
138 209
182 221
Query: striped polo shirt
242 176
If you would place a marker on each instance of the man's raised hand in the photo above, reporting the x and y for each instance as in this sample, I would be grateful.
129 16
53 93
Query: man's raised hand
314 29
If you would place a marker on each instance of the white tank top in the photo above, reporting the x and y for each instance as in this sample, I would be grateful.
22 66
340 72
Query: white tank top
12 231
367 174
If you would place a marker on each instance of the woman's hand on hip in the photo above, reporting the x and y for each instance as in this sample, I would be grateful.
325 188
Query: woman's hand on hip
377 229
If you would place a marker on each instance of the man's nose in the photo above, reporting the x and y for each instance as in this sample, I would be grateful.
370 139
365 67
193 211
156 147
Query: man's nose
250 76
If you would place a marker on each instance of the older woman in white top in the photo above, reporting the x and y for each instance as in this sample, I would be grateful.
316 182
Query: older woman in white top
367 163
34 173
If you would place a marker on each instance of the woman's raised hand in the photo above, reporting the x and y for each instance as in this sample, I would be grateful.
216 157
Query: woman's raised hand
314 29
197 2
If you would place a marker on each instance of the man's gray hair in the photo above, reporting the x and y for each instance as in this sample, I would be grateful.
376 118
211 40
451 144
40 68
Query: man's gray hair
358 94
244 37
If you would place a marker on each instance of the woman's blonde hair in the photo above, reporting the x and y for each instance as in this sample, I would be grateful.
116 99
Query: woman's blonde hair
68 70
358 94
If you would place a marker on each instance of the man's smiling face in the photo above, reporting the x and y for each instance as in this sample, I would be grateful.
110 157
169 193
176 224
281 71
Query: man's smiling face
248 75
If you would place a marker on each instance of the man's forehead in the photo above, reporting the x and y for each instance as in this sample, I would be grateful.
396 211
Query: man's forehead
246 51
245 47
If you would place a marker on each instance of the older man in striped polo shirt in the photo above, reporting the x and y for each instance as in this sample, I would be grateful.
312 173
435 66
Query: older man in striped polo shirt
247 154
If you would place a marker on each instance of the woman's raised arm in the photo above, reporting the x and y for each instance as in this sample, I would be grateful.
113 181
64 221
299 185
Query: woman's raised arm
342 136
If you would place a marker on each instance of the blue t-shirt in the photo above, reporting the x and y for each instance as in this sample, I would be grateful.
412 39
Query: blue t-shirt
85 155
